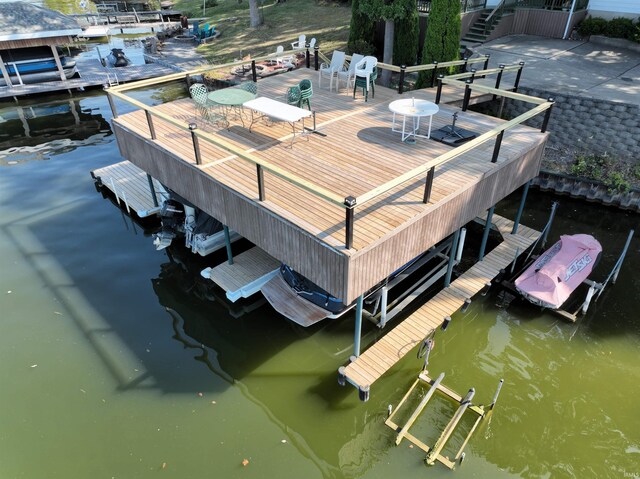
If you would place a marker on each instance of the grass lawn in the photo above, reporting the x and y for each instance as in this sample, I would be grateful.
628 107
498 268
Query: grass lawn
327 21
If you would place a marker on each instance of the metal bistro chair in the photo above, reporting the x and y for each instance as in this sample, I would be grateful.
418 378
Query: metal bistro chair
250 86
204 107
306 92
294 95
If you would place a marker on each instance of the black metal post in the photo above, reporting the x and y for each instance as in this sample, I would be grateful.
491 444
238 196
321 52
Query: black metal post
499 78
152 190
114 112
316 62
403 69
260 173
439 92
467 95
473 74
518 75
254 75
486 61
196 145
152 130
547 115
350 203
428 185
308 57
464 9
434 74
187 78
463 67
496 148
516 221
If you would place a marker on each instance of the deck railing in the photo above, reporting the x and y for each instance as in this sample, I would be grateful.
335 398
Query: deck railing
350 202
424 6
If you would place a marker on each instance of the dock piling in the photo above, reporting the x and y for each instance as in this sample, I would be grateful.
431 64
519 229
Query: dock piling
452 257
516 221
152 189
358 329
350 203
383 307
260 176
227 242
552 215
196 145
485 233
497 393
428 185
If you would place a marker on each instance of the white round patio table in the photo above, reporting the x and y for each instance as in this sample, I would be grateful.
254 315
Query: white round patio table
414 109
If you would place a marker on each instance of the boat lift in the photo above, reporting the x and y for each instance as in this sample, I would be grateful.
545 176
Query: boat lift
434 453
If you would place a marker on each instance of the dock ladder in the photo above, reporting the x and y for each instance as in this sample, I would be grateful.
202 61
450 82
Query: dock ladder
434 453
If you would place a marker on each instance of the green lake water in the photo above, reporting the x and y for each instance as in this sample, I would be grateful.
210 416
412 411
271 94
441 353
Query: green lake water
116 362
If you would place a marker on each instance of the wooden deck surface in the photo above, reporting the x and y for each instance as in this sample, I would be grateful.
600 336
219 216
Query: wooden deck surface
392 347
247 267
130 184
358 154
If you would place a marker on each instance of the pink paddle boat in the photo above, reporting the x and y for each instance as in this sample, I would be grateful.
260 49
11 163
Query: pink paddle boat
551 279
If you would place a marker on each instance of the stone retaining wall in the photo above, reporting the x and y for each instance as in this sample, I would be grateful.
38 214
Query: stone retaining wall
588 124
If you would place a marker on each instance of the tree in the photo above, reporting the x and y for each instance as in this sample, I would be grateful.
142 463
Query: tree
390 11
405 43
361 31
442 40
255 19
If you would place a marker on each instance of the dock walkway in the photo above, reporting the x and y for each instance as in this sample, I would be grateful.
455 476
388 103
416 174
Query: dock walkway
384 354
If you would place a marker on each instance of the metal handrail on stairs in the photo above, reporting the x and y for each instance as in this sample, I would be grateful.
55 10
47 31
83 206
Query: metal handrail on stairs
497 13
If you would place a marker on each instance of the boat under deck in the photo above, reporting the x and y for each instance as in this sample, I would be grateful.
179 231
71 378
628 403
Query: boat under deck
356 155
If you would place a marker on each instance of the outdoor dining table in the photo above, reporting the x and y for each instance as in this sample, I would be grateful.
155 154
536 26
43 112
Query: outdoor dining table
231 98
414 109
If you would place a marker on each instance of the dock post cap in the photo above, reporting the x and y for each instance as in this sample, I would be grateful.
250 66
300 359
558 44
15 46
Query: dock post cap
445 323
352 358
193 126
342 378
350 201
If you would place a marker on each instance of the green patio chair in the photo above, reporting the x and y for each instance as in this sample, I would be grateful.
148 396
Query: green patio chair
250 86
206 109
306 92
294 95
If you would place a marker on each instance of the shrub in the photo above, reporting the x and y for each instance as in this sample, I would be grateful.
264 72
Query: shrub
616 183
361 31
590 166
592 26
405 41
621 28
360 46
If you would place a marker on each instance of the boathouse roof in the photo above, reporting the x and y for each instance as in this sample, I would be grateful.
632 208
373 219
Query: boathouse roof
24 24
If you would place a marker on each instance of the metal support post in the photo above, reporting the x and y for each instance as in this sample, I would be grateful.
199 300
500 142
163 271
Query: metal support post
254 74
547 115
260 174
358 329
463 67
614 278
403 70
473 74
316 63
518 75
114 112
434 74
516 221
485 233
187 79
467 95
463 237
486 61
499 78
543 241
152 130
496 148
227 242
196 146
350 203
428 185
308 58
384 298
152 189
439 92
452 258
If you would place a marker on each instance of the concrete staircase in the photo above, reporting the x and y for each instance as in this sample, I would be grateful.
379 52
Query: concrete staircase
478 33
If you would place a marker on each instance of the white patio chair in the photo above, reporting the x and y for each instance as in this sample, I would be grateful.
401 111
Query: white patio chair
283 61
364 68
312 44
349 74
300 44
331 70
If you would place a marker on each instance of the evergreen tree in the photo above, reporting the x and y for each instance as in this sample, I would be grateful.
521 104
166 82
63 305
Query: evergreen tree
442 40
361 31
407 32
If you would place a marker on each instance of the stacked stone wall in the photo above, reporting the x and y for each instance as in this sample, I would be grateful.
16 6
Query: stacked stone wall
586 124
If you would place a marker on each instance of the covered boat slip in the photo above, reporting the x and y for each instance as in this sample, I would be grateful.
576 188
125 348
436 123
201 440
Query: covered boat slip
301 218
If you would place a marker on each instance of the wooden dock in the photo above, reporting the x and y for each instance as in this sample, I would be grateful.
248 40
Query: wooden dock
91 74
358 156
130 185
249 271
384 354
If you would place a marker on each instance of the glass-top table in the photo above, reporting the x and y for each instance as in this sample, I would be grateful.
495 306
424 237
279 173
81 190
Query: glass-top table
415 109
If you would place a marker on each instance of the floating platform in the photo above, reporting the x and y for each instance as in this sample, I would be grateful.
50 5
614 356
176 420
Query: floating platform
384 354
248 273
92 74
130 184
